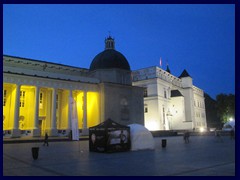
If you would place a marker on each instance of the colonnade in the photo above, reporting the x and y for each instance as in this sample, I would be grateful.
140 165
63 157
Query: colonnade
51 112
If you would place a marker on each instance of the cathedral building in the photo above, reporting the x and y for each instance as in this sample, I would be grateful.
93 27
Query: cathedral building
38 96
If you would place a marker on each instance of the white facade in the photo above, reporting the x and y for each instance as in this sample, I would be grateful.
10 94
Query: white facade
170 103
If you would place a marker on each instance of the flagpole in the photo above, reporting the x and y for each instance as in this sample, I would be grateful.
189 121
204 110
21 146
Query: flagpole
160 62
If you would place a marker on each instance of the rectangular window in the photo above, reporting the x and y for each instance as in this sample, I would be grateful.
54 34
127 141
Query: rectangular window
165 93
22 99
145 109
40 100
145 92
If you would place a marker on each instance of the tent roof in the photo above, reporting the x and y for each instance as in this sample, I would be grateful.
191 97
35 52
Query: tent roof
231 123
109 124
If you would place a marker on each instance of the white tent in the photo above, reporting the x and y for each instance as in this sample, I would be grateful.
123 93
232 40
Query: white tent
141 138
229 125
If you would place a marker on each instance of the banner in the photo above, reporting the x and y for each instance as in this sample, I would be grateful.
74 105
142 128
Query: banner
74 119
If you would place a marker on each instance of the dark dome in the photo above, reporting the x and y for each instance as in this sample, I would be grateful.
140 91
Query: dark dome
109 59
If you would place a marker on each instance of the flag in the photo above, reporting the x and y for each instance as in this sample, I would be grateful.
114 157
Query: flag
160 62
74 119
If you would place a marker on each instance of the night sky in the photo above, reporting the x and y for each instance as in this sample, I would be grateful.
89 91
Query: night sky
198 38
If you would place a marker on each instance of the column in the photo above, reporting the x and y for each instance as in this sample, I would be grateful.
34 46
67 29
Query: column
53 130
16 131
69 110
36 130
85 129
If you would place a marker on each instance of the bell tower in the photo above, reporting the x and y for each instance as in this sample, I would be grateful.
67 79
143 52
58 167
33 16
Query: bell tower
109 43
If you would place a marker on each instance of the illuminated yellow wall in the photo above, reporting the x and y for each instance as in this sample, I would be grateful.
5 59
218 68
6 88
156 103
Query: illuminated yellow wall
93 112
78 96
42 105
26 113
12 107
63 109
48 109
42 109
8 109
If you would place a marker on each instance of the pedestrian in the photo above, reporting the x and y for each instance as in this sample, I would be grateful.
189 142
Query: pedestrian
45 139
218 135
70 135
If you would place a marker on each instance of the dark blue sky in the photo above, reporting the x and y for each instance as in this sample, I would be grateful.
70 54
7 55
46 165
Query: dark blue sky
198 38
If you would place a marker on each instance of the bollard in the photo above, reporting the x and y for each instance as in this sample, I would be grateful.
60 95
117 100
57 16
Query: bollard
35 152
164 143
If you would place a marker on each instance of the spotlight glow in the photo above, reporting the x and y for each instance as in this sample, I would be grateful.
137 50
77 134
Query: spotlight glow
201 129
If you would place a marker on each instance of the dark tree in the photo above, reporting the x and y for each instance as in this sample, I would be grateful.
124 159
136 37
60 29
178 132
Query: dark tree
225 107
213 121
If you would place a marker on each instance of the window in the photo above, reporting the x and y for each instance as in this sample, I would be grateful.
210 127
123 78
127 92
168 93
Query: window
165 93
4 97
145 92
22 99
145 109
41 100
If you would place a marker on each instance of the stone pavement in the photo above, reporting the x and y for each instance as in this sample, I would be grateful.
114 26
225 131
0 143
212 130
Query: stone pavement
203 156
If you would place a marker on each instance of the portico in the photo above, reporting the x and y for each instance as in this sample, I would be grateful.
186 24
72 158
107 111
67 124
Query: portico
33 106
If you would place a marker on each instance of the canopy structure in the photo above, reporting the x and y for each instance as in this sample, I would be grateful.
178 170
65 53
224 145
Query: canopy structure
141 138
109 136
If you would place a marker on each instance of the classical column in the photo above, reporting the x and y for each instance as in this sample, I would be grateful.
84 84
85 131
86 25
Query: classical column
53 113
16 131
69 110
85 129
36 130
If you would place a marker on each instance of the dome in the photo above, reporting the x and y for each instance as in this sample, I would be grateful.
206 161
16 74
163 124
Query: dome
109 58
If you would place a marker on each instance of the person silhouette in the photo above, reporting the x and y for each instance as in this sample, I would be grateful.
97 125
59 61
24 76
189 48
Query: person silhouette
45 139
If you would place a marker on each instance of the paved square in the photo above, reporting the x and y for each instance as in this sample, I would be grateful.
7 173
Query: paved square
203 156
